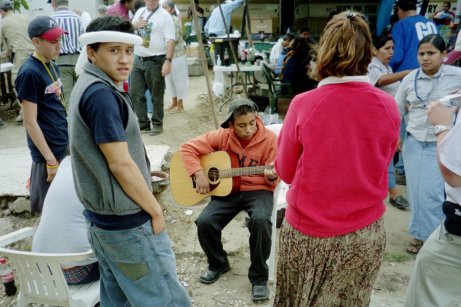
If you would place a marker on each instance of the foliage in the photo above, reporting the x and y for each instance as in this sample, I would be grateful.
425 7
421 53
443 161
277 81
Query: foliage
18 4
397 257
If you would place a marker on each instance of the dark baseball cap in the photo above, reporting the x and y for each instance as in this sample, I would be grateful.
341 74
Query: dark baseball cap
5 4
406 5
46 28
234 104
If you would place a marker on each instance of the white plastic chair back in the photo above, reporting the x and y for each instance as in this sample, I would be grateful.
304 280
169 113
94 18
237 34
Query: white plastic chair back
279 203
41 278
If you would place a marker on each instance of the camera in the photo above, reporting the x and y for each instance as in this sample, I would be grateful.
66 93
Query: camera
452 100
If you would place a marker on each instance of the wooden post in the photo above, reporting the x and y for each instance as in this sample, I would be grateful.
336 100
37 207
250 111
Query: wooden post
204 62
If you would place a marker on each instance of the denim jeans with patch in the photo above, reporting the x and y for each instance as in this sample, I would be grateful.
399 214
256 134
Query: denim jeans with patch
138 268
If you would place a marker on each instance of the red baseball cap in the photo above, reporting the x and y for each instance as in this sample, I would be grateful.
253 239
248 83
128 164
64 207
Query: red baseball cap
46 28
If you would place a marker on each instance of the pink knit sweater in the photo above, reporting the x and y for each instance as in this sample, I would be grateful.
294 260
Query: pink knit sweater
334 149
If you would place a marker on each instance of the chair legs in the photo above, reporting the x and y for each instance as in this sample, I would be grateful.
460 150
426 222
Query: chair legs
21 302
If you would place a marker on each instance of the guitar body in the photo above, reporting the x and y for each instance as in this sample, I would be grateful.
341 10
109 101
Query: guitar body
183 186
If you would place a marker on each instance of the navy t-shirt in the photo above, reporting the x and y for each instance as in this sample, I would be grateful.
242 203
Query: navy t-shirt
35 85
107 115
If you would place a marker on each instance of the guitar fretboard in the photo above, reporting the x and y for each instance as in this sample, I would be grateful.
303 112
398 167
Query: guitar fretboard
243 171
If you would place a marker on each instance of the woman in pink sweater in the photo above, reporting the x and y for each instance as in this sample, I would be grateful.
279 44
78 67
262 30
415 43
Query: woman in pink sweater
334 149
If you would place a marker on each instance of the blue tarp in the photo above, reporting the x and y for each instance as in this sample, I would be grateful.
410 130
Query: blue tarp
384 14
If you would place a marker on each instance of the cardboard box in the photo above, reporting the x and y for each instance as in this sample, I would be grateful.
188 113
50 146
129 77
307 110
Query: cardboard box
282 106
195 67
192 52
261 25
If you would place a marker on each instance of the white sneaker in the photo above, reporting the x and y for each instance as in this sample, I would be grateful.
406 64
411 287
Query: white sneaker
18 119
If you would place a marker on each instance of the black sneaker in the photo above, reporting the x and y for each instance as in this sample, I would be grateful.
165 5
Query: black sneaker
209 276
259 293
156 130
144 128
399 202
400 179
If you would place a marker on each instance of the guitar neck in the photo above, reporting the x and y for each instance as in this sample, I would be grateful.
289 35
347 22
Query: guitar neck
243 171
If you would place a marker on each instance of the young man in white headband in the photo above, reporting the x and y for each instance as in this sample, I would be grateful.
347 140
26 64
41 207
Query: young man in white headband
112 175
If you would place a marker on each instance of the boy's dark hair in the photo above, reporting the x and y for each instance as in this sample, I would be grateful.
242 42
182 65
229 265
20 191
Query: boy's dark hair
304 29
109 23
243 110
406 5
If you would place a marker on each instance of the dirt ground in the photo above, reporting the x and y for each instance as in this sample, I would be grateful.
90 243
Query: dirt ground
233 288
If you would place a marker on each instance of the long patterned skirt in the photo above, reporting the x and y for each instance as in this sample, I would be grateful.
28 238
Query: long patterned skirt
335 271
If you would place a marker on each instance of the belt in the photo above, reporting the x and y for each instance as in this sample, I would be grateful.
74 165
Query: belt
154 57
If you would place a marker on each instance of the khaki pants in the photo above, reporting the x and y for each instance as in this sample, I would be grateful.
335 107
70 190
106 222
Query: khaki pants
66 64
436 277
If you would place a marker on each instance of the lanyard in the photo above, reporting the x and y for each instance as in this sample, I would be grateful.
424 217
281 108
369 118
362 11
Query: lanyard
150 15
434 85
60 94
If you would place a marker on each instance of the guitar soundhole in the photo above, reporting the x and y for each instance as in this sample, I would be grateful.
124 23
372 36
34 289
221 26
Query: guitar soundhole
213 174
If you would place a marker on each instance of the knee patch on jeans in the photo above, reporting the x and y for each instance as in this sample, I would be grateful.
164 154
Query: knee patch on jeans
133 271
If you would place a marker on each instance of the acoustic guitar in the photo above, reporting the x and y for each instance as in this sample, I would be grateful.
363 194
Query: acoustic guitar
218 168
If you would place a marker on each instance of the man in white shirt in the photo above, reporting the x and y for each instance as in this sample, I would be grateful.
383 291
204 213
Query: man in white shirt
215 24
152 63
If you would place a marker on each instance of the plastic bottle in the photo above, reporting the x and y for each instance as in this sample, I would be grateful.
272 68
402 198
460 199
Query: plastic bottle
6 272
212 53
218 61
252 56
243 57
226 58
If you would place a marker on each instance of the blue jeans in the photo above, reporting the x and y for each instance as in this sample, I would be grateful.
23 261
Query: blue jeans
425 187
399 166
138 268
147 75
391 176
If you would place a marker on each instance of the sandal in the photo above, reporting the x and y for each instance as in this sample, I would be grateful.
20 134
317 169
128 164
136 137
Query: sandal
414 247
416 243
170 108
175 110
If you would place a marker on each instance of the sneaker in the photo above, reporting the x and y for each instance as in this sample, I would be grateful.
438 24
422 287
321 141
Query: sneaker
399 202
259 293
400 179
156 130
18 119
209 276
144 128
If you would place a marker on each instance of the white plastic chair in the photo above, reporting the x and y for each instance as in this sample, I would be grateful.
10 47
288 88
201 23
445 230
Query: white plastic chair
41 278
279 203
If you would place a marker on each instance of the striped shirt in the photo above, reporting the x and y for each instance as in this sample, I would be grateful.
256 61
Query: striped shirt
72 23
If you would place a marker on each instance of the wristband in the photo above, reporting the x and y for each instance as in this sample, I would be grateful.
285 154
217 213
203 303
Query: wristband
168 59
52 166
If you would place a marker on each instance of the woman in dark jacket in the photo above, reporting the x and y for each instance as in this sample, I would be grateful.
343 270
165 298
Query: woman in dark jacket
295 69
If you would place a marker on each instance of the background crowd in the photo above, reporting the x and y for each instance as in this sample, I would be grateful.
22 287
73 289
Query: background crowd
366 109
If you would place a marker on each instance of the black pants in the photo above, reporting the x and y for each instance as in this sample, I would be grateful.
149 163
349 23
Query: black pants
220 211
38 186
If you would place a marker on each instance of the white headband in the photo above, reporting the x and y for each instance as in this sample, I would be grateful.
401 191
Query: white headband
103 37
